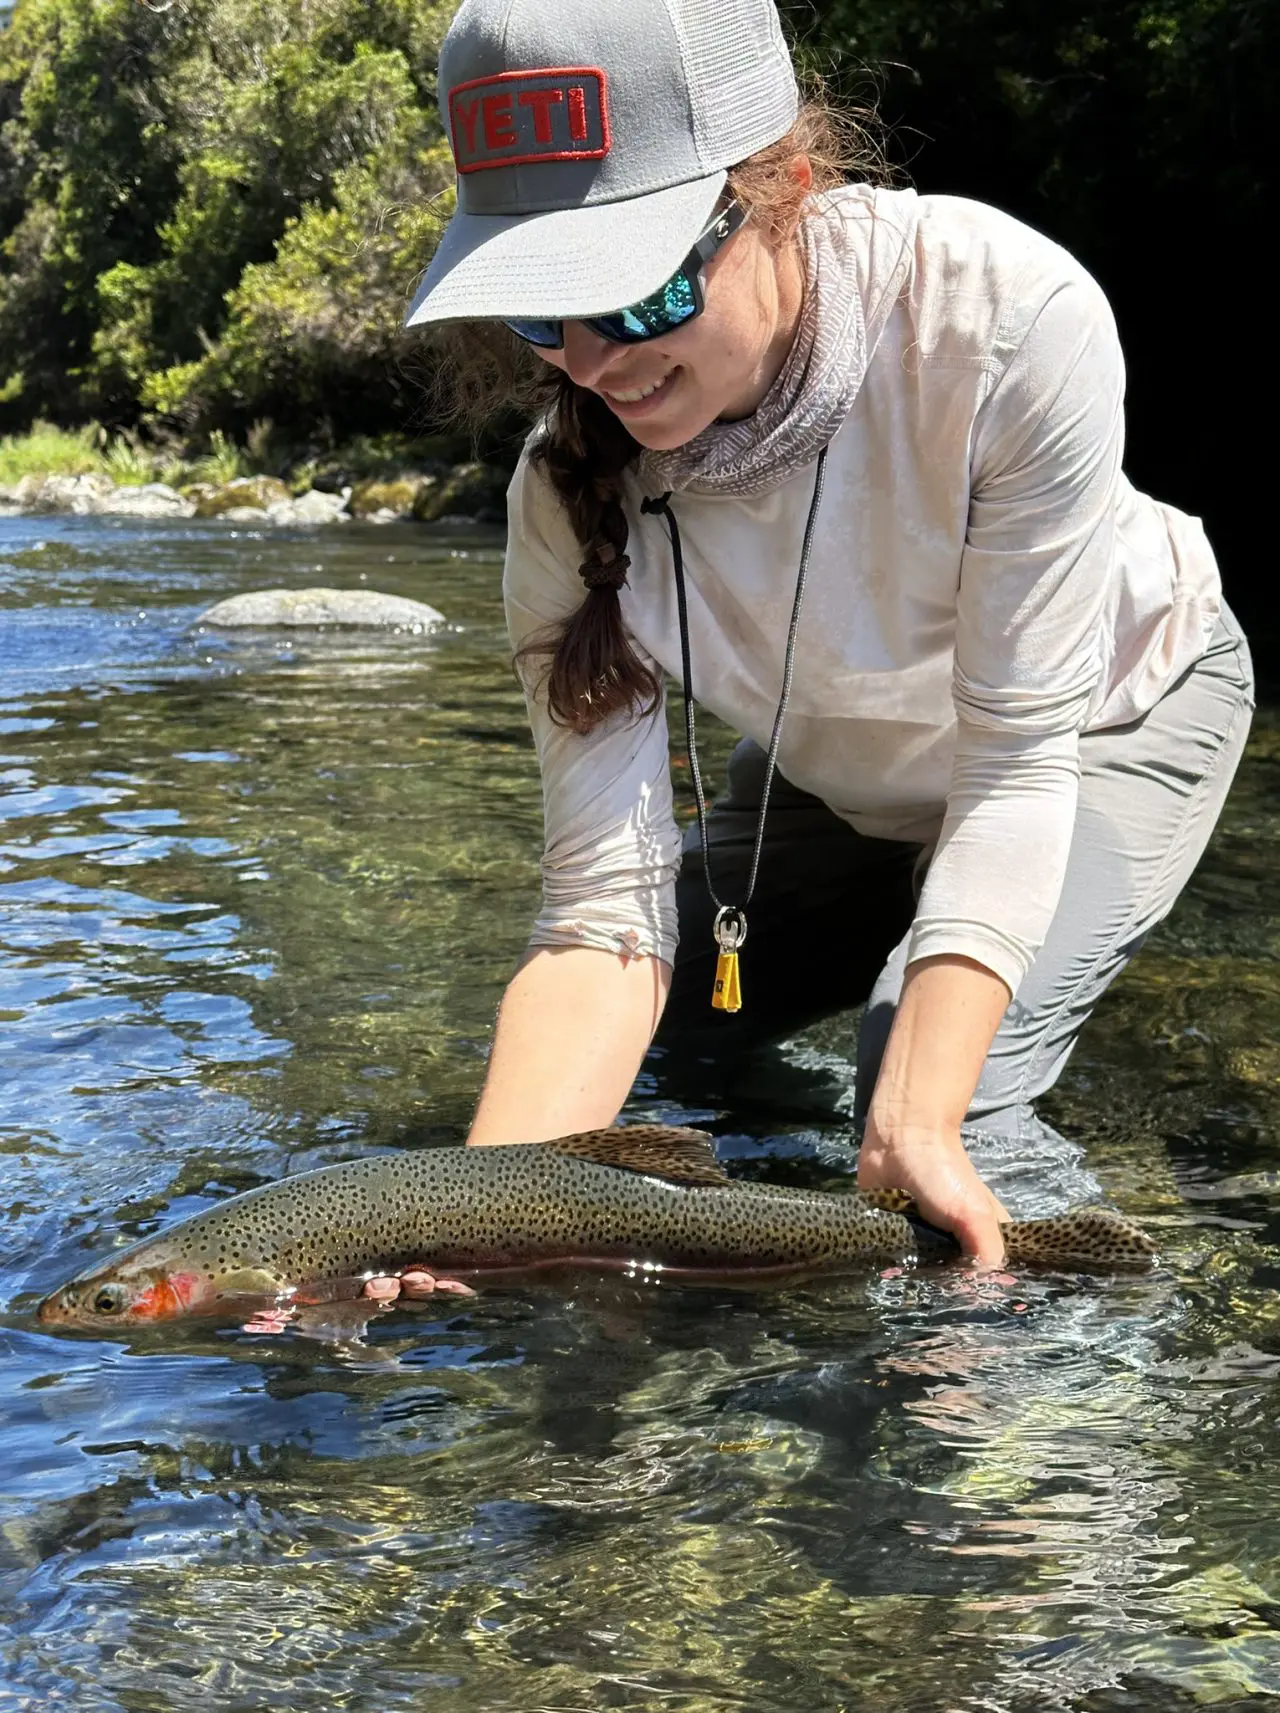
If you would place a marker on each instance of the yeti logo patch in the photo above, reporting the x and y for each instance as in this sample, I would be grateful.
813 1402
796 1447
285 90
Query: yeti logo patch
518 117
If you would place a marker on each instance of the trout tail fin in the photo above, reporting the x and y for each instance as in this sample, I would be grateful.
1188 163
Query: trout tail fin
1090 1239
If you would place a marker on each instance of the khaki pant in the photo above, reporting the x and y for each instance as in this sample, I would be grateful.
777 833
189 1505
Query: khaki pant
833 909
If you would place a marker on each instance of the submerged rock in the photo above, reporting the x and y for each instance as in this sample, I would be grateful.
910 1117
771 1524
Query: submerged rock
266 608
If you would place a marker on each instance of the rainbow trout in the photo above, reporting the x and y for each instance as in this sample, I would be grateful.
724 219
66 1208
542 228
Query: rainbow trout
644 1198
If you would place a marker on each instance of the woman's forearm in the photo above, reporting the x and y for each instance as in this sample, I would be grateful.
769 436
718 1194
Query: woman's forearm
572 1029
947 1016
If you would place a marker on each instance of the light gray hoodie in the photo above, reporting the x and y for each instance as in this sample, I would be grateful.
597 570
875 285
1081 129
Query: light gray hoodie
985 584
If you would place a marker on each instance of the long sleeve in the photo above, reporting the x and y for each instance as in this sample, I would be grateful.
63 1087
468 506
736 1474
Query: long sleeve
611 849
1030 640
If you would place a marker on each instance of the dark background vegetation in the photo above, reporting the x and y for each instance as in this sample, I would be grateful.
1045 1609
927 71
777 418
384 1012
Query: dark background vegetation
210 215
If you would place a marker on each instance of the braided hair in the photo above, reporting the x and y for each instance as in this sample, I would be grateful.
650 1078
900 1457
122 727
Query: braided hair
594 670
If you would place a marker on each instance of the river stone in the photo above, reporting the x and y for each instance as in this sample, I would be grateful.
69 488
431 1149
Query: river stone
96 495
311 507
383 502
81 495
267 608
246 493
153 499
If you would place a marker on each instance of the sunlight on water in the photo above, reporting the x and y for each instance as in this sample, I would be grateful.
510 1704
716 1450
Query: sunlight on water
258 898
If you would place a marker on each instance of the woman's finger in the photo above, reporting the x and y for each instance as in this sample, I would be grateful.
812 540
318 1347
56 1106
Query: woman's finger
413 1284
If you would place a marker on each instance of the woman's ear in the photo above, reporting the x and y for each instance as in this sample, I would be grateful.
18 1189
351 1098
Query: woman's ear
800 170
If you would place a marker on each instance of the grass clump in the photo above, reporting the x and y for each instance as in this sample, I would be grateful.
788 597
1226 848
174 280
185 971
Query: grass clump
48 451
223 462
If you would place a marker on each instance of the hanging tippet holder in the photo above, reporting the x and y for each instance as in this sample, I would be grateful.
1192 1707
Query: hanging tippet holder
730 930
730 925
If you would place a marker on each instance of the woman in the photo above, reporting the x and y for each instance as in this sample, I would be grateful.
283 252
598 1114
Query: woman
891 427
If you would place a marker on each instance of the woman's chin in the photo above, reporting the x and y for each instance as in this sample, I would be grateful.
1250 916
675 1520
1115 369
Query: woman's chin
659 436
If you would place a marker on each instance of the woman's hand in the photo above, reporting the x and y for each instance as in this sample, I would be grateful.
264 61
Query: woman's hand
947 1016
933 1168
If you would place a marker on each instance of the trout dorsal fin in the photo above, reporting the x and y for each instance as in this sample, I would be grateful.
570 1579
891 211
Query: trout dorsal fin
661 1151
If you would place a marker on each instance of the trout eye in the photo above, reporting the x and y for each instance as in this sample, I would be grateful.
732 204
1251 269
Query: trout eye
107 1299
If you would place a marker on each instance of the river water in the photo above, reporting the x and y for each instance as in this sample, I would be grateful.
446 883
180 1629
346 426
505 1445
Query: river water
258 898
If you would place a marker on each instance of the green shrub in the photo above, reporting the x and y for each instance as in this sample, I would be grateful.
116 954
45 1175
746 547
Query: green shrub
50 451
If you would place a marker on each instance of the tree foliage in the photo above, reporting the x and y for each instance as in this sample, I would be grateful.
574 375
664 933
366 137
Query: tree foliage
216 210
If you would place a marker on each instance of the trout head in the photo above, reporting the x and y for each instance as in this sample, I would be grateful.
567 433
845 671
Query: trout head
105 1298
139 1288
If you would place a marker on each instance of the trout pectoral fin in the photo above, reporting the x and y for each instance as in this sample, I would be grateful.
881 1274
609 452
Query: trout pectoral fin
1095 1239
248 1282
659 1150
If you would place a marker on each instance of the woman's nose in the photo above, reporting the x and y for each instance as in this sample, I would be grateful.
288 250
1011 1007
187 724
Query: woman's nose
586 355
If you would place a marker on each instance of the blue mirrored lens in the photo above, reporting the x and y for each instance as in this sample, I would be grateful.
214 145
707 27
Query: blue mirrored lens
664 309
549 334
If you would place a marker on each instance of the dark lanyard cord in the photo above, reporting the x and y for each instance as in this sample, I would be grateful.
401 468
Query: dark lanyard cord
662 505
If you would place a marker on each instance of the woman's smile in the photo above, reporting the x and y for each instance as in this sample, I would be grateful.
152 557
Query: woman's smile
639 400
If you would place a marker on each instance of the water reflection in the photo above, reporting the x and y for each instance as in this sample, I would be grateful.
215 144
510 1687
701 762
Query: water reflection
257 900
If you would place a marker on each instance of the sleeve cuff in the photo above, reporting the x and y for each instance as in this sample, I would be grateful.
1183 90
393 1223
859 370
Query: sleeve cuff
624 939
1002 954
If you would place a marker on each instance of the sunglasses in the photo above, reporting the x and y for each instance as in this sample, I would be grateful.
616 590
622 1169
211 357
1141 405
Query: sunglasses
662 311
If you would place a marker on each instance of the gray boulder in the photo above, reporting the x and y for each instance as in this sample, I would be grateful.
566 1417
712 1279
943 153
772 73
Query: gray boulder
385 502
245 493
96 495
81 495
267 608
311 507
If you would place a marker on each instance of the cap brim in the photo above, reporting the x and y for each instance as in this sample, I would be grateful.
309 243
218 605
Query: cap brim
564 264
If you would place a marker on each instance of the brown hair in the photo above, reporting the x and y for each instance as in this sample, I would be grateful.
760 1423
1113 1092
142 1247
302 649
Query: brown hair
593 671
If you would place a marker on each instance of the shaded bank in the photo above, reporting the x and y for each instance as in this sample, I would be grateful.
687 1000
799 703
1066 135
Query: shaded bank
1140 137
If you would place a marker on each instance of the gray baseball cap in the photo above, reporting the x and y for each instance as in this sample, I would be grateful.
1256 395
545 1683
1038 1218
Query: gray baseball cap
591 139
